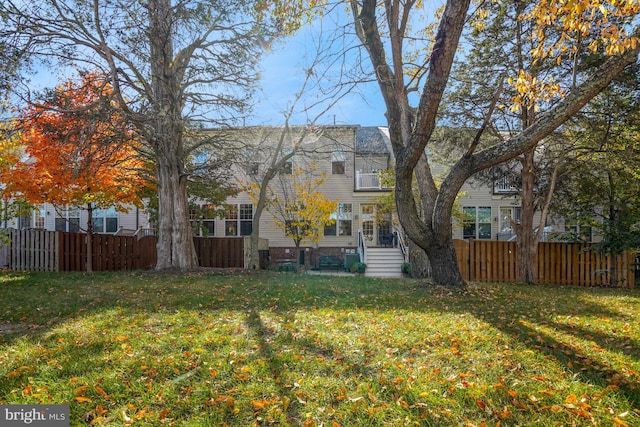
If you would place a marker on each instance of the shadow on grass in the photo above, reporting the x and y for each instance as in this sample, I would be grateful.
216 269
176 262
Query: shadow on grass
530 321
33 304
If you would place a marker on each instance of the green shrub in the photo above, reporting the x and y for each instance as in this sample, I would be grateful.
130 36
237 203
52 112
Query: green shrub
358 267
405 268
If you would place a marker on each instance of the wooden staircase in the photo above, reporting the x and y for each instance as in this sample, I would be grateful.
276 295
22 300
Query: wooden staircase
383 262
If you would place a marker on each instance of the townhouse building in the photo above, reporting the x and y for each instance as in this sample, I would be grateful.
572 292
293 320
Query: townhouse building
351 158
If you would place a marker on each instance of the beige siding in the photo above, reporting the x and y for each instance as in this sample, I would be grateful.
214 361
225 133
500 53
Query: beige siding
475 194
337 187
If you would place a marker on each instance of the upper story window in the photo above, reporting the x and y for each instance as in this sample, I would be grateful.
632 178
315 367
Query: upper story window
287 168
338 162
252 168
504 184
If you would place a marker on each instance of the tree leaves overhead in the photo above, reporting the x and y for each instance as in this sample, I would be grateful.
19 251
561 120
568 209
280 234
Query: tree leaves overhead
604 164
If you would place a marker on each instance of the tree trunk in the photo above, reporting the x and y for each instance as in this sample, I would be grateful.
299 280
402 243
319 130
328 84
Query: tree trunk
254 254
297 242
614 280
527 242
420 265
175 247
444 264
89 263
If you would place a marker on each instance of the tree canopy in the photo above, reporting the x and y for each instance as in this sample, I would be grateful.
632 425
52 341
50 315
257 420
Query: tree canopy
413 69
603 163
77 150
172 66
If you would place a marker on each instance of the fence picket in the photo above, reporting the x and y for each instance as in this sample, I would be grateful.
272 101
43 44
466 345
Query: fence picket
558 263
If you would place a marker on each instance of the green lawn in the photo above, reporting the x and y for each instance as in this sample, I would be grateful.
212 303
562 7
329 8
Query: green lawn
207 349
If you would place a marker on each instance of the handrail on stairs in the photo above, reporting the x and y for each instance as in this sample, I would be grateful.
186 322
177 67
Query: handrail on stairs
401 244
362 246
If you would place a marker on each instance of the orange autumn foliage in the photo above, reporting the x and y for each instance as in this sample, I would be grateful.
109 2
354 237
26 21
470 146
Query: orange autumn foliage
78 150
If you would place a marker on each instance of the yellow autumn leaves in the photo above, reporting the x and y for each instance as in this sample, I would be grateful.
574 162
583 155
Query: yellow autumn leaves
563 29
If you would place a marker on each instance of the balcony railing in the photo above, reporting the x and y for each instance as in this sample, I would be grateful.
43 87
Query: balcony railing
369 181
504 185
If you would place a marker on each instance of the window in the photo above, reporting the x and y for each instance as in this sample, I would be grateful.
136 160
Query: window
38 218
337 162
25 221
287 168
105 220
231 220
246 219
202 220
476 223
468 223
34 219
343 221
68 220
252 168
505 183
368 212
576 232
506 215
238 220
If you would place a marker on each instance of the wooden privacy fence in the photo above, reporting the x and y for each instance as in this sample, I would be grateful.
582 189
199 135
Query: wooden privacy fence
227 252
33 250
109 253
60 251
559 263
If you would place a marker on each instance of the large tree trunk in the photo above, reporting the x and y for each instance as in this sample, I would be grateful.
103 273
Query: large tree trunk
175 246
420 265
444 264
527 241
175 238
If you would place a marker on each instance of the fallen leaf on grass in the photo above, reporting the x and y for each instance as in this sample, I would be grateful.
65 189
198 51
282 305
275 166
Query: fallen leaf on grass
101 392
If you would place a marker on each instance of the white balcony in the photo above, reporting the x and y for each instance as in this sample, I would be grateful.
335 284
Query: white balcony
369 181
504 185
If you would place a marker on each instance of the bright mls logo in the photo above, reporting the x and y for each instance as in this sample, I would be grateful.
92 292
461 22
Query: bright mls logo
34 415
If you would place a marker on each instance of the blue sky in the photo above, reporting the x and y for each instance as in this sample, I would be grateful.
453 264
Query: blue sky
283 71
283 75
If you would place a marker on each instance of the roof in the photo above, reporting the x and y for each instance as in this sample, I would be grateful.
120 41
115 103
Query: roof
371 140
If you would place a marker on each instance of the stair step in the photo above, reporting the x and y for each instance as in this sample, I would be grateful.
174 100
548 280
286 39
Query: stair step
384 262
